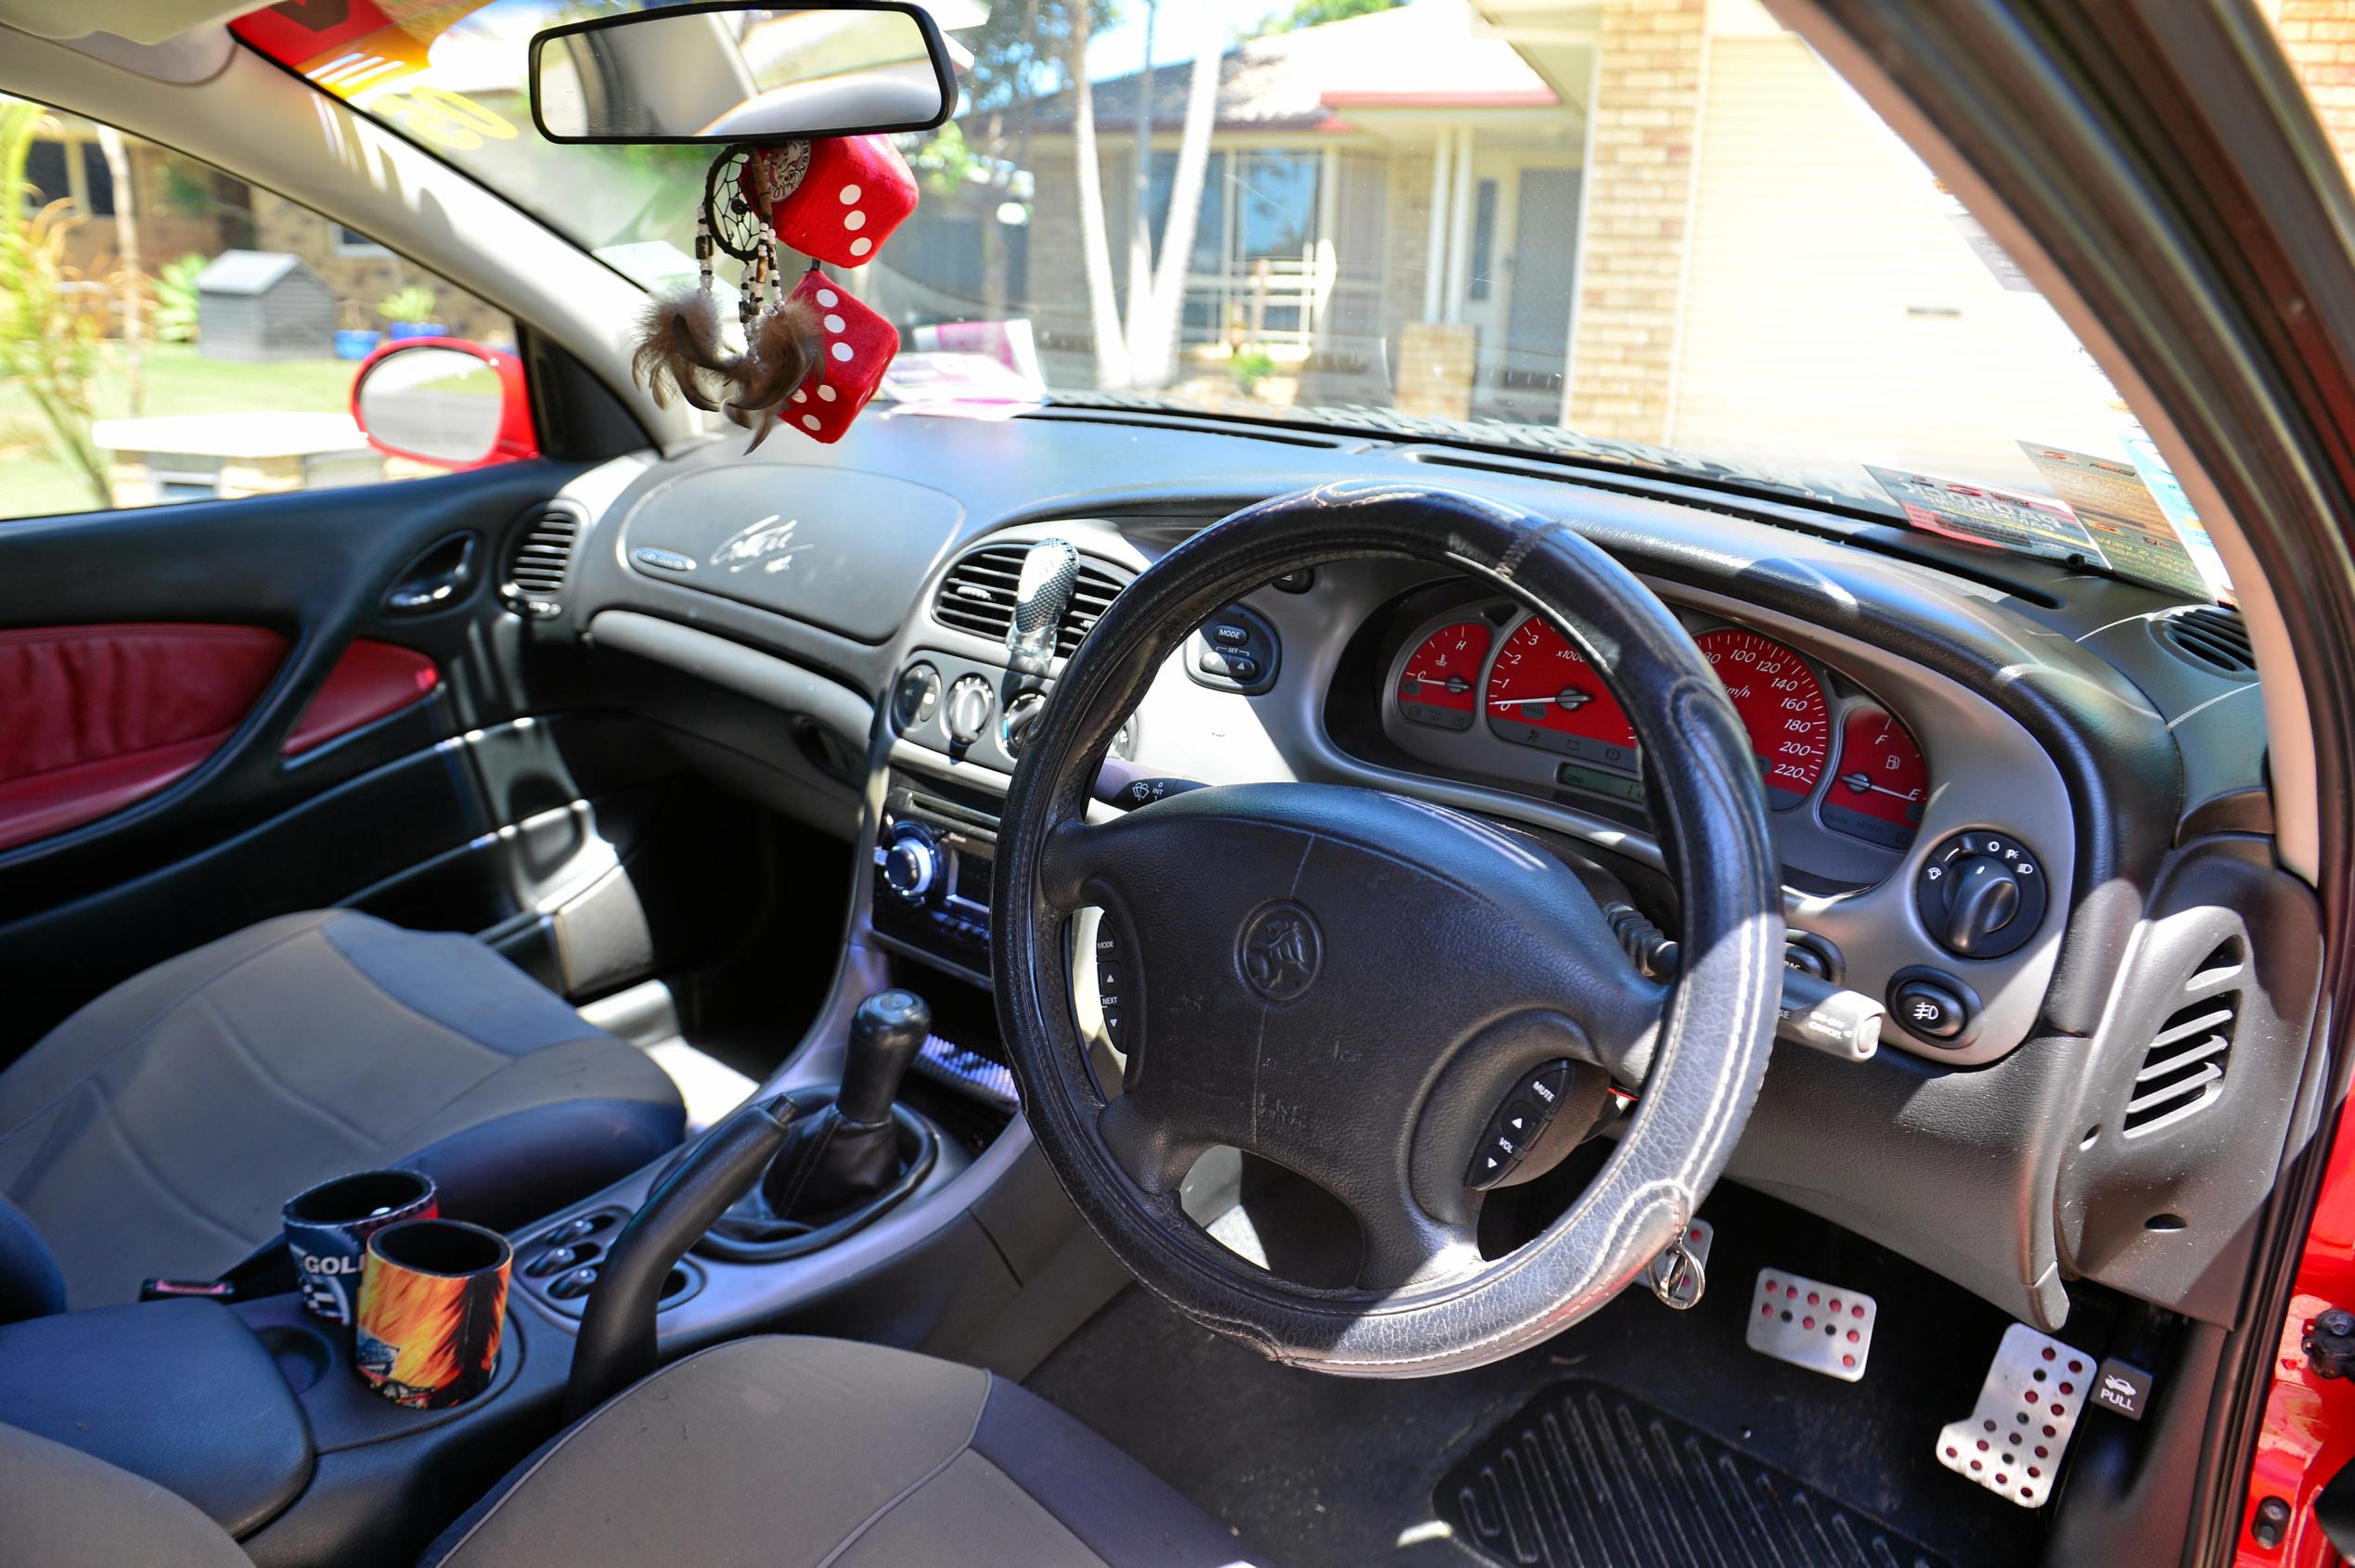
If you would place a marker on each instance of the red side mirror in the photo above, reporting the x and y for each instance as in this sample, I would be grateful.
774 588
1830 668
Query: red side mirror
446 402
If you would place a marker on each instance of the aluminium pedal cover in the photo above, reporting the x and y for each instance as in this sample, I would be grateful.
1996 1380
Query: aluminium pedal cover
2012 1441
1826 1328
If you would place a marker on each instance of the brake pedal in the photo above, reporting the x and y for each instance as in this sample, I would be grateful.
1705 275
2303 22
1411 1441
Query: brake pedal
2013 1438
1826 1328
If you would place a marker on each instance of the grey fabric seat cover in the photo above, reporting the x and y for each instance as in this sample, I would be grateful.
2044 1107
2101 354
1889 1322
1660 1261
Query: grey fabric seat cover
779 1453
159 1130
811 1453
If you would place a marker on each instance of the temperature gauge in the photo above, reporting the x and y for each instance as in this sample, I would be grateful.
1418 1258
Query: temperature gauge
1440 686
1879 791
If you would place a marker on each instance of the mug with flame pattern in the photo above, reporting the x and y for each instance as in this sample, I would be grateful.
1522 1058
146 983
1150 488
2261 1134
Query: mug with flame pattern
432 1305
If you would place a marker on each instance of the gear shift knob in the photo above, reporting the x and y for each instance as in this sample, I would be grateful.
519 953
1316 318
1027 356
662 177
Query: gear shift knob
886 1031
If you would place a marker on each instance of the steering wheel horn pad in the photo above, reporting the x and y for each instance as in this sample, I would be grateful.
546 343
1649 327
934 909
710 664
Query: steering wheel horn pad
1346 982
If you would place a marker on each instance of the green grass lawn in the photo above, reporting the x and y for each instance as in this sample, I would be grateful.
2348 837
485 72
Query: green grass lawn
179 380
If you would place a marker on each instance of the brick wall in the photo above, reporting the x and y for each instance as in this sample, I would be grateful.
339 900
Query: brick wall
1649 62
2319 37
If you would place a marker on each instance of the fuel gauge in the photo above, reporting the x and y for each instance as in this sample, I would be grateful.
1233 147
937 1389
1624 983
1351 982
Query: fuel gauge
1878 793
1440 686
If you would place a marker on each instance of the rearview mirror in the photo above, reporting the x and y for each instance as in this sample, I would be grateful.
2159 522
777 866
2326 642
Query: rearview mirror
726 71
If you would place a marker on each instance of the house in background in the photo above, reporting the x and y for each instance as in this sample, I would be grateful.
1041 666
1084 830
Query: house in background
1661 220
1374 184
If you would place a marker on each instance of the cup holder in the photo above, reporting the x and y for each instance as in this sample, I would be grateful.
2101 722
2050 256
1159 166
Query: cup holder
302 1353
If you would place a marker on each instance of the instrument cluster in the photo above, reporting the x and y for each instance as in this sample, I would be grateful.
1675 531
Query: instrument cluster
1489 689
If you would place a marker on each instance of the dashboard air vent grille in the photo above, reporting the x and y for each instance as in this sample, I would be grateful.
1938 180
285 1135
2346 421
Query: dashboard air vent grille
2211 637
538 560
978 595
2184 1068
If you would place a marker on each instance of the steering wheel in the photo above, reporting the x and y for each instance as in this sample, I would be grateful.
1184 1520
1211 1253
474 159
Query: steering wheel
1278 946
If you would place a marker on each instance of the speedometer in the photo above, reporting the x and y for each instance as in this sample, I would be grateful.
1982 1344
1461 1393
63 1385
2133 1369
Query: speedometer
1782 706
1543 692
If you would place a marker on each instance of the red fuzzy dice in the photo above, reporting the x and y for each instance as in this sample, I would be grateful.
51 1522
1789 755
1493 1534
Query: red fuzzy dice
851 194
857 346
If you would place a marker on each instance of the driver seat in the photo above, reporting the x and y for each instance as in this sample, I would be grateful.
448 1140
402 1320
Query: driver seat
780 1451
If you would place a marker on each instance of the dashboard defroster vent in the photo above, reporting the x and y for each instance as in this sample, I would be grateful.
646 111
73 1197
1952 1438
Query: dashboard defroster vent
538 561
978 595
2183 1070
2211 637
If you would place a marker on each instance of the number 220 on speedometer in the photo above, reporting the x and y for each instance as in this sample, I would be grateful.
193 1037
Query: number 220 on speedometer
1782 706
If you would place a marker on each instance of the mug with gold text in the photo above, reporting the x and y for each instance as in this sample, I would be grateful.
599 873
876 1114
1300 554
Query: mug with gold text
433 1304
328 1228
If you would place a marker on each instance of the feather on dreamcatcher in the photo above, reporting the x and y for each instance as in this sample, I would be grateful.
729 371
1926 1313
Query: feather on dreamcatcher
810 335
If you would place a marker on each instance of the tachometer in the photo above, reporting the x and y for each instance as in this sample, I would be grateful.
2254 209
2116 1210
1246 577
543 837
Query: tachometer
1440 686
1781 705
1542 692
1883 780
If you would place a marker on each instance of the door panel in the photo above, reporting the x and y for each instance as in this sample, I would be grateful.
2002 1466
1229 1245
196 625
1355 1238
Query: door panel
371 681
363 754
94 718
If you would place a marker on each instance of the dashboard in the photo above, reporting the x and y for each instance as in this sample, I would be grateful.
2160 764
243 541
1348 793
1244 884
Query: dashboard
1929 720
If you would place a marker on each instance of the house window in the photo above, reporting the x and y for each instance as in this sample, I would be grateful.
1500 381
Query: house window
1484 237
75 171
352 242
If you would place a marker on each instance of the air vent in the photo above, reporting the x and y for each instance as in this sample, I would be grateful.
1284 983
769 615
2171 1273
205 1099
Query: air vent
2183 1070
978 596
2211 637
538 560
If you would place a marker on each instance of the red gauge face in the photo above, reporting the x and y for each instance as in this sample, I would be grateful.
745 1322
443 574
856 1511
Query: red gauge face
1542 692
1781 705
1440 686
1882 781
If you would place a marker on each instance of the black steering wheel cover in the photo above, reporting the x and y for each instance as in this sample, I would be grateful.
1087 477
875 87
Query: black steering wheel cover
1717 1032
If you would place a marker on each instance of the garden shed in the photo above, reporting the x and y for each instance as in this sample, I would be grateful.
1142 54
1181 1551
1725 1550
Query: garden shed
263 305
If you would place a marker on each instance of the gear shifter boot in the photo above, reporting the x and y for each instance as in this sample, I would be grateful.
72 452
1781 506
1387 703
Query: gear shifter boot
847 1153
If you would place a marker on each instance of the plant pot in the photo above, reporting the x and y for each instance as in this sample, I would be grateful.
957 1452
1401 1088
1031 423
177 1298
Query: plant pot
352 344
403 331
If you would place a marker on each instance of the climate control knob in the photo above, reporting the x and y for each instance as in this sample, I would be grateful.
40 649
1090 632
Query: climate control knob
911 858
969 702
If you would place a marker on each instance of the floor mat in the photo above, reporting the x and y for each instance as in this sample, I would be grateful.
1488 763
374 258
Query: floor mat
1585 1476
1314 1471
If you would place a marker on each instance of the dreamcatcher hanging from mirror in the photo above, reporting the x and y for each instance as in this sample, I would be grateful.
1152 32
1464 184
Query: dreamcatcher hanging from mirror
809 350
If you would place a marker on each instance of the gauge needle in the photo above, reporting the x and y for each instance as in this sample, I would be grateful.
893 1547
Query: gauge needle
1863 784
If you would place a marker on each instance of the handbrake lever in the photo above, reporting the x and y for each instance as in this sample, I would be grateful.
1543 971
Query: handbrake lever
616 1345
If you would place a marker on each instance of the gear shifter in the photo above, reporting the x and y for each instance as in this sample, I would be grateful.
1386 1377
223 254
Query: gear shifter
846 1154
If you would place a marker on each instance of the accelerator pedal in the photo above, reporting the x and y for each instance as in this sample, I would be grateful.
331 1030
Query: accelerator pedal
2012 1440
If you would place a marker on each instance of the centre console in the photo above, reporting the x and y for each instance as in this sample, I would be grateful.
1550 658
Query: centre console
934 860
